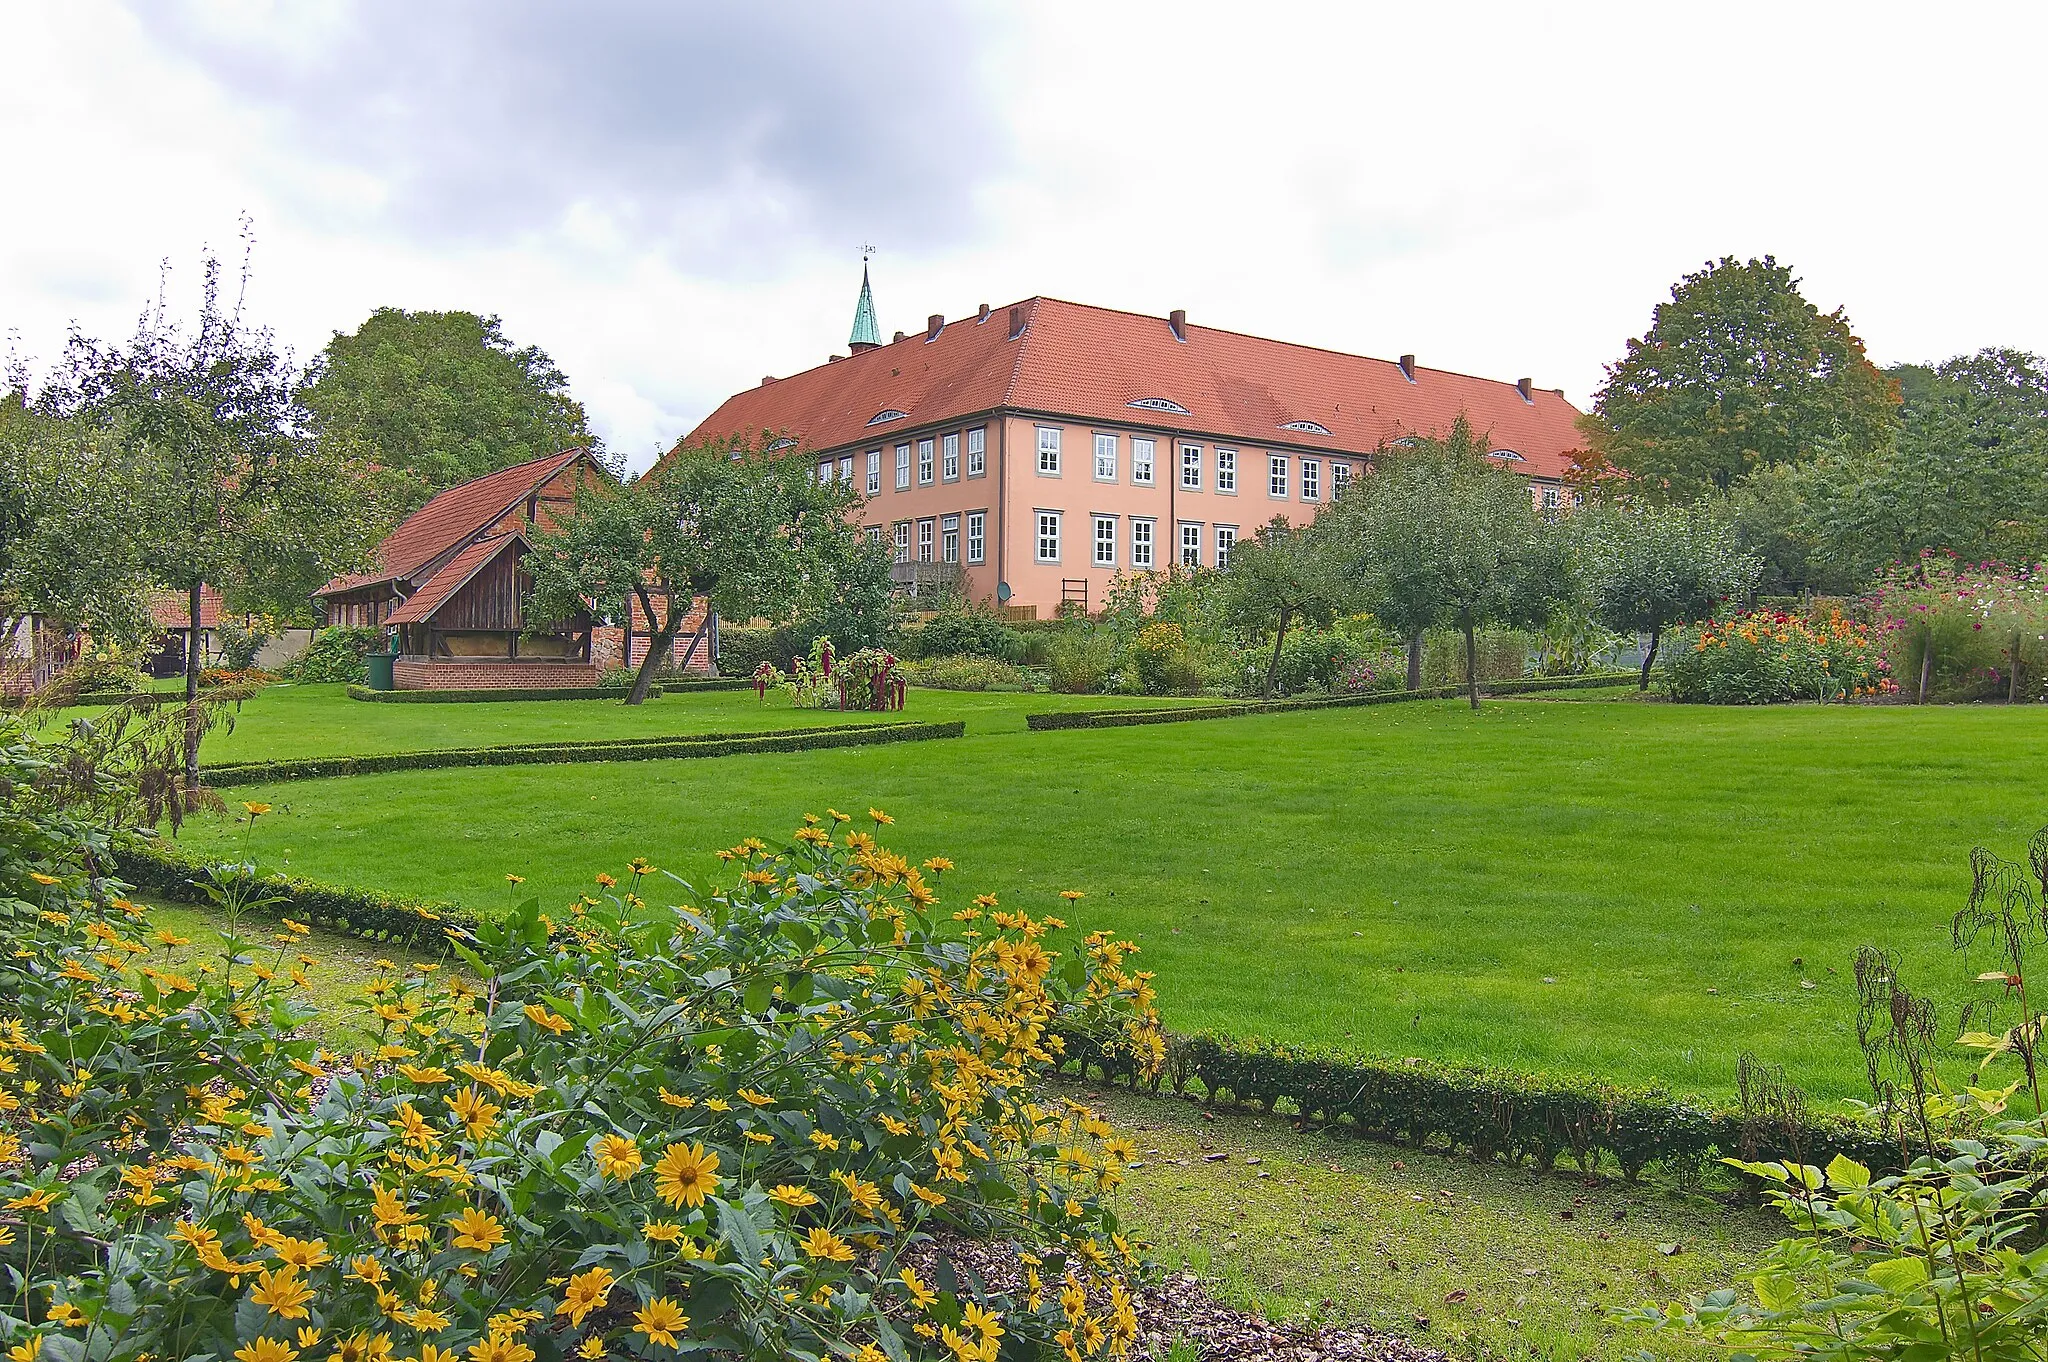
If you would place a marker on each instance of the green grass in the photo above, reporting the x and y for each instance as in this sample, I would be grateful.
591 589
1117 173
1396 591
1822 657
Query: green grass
1613 888
1298 1225
321 721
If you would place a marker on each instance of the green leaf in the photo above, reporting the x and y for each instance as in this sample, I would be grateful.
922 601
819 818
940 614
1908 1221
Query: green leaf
1845 1173
739 1230
1898 1275
760 995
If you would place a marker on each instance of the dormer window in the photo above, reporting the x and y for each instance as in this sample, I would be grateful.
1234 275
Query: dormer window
1405 442
1160 404
784 443
886 415
1505 456
1306 427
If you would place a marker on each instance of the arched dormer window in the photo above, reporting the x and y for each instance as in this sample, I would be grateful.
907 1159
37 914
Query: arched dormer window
1160 404
785 442
1505 456
886 415
1306 427
1405 442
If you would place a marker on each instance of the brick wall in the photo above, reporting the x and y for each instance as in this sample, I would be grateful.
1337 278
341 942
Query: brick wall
484 675
607 644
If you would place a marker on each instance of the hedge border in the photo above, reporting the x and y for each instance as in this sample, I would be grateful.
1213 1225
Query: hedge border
1587 681
1119 718
484 695
1489 1113
623 749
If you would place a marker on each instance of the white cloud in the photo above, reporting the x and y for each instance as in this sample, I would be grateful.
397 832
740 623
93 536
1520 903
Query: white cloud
1502 189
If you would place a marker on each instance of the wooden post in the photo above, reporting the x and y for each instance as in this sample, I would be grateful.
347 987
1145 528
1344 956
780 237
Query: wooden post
1926 661
2012 683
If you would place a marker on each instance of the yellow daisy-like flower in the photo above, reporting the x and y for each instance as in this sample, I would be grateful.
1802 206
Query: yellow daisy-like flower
758 1099
685 1174
590 1349
40 1199
618 1157
661 1231
821 1243
919 1292
281 1293
792 1196
660 1320
266 1350
542 1017
880 818
586 1292
478 1230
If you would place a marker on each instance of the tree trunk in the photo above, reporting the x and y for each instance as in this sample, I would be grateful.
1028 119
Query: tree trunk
659 641
1273 668
1471 665
1415 660
1650 658
193 648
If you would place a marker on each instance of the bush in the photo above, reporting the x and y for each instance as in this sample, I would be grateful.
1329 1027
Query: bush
963 633
1986 628
715 1126
337 654
1763 657
965 673
742 651
1079 659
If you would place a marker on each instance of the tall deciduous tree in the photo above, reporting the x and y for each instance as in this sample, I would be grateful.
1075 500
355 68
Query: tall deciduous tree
1447 536
68 547
754 535
1646 568
229 489
1737 372
443 396
1281 576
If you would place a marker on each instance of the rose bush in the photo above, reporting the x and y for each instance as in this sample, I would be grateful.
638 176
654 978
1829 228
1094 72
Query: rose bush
629 1128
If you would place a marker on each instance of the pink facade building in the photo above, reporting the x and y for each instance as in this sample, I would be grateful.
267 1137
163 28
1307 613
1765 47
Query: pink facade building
1038 450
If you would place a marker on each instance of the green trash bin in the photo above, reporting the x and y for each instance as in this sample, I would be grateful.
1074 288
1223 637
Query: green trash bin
380 669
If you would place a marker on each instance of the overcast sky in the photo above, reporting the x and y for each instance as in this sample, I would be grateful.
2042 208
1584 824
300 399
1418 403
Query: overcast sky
671 197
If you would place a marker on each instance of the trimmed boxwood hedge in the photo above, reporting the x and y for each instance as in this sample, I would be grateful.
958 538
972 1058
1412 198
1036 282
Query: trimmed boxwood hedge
471 697
1587 681
1491 1113
1120 718
682 685
163 868
618 749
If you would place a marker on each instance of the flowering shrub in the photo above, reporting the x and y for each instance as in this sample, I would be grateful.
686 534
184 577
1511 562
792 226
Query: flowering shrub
1975 630
1763 657
647 1130
965 672
870 679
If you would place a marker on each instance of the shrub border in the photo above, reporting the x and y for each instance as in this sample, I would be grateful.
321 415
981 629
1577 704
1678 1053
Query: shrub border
1490 1113
621 749
482 695
1119 718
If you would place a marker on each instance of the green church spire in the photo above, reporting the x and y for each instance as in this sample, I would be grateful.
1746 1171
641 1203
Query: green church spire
866 334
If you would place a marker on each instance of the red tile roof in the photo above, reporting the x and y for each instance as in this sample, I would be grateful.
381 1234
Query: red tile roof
172 609
438 588
452 517
1092 363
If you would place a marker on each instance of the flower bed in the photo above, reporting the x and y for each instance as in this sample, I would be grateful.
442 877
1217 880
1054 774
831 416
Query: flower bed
1969 632
1763 657
720 1126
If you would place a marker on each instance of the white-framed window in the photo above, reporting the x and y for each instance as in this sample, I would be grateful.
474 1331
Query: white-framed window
949 539
924 540
1104 540
874 471
1226 471
1105 458
1276 476
1141 460
924 463
1191 467
977 535
1553 499
902 467
1049 451
949 458
1048 536
902 541
1226 540
824 472
1190 545
874 533
1340 478
1311 479
1143 533
977 451
846 469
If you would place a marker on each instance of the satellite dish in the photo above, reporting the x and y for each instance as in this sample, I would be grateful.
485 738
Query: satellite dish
1002 593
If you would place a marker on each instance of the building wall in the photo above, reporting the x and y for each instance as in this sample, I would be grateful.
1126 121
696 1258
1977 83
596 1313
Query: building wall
1014 491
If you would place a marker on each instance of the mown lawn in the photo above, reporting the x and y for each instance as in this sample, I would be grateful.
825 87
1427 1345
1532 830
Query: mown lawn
321 721
1635 890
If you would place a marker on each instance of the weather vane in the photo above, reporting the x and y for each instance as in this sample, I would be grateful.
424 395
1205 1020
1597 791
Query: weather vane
867 253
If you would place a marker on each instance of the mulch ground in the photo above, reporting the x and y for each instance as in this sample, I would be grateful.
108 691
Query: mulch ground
1180 1307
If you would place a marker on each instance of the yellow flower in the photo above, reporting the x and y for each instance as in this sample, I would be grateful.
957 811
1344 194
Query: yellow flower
586 1292
500 1348
617 1157
660 1319
880 818
590 1349
759 1099
266 1350
475 1229
40 1199
605 881
541 1016
303 1254
796 1198
1071 895
823 1140
26 1351
822 1243
40 878
281 1292
686 1174
661 1231
415 1073
919 1292
515 879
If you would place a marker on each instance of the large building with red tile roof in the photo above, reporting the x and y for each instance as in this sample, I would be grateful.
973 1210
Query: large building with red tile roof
1037 450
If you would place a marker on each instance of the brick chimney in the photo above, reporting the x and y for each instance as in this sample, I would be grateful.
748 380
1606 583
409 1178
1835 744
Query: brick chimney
1178 321
933 325
897 337
766 379
1522 387
1016 321
1408 367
